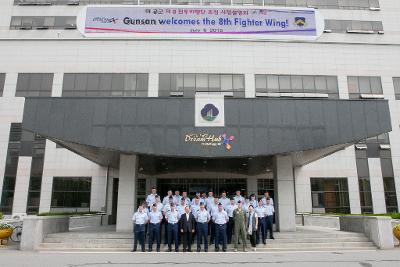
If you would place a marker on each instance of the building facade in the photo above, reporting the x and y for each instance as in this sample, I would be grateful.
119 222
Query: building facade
69 141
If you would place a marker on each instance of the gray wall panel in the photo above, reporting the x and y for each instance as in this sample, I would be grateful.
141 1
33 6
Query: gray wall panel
158 126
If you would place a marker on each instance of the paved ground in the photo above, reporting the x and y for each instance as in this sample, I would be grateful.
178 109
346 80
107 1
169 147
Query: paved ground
389 258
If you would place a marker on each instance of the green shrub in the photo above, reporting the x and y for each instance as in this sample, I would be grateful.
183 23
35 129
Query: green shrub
67 213
1 216
4 226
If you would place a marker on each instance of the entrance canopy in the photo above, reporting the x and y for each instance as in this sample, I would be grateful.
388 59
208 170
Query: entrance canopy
101 129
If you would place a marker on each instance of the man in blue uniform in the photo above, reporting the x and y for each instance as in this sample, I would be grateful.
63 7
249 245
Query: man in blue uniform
220 218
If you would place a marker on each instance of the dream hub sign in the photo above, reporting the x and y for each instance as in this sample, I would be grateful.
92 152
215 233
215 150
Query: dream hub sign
194 22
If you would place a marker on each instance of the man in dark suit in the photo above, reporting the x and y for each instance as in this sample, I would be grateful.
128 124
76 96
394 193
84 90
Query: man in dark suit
187 226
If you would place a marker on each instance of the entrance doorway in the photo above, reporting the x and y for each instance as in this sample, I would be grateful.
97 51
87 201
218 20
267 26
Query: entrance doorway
193 185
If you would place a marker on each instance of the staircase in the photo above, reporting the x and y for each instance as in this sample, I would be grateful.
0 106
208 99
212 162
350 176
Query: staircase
304 239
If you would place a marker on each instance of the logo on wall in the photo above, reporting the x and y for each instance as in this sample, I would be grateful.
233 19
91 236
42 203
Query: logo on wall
227 141
205 139
209 112
300 21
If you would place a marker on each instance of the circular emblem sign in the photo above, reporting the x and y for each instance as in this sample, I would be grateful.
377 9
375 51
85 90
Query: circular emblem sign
209 112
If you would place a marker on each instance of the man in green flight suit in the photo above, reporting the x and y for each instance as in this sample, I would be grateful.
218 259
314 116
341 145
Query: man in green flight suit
239 218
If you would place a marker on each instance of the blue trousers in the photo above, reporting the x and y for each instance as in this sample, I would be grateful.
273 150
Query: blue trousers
261 230
269 226
139 236
220 233
202 234
173 232
154 233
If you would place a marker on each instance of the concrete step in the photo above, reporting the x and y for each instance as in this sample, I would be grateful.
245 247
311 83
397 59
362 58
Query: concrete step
318 245
90 241
163 249
90 235
68 240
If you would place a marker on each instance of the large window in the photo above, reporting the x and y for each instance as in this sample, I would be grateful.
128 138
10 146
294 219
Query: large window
71 193
331 4
105 84
265 185
2 80
364 182
396 84
23 143
364 87
297 85
330 195
187 84
353 26
42 23
34 84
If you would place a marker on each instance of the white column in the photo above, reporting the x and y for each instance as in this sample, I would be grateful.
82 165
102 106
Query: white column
342 83
10 84
126 192
354 195
285 199
153 85
22 185
57 84
252 186
250 85
377 190
98 193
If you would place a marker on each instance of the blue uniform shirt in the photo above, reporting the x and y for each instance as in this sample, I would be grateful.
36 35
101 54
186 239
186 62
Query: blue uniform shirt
172 216
155 217
220 217
202 216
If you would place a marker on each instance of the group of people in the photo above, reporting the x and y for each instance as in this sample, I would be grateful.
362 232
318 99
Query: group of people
220 218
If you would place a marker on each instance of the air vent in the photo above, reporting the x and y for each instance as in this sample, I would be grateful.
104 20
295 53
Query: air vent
375 8
361 146
372 96
361 31
384 146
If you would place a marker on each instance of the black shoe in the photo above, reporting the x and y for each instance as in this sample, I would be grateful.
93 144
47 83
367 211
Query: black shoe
184 250
176 250
158 250
216 249
224 250
133 250
206 250
150 250
143 250
273 238
189 250
198 250
169 250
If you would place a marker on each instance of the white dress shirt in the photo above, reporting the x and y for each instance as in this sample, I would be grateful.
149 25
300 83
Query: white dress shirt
140 217
230 208
260 211
264 201
172 216
150 199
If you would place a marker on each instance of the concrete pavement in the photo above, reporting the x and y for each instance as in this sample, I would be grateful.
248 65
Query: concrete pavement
11 258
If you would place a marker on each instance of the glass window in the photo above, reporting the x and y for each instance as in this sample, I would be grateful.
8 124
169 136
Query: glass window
376 85
396 84
71 192
226 82
284 83
2 81
34 84
214 83
330 195
261 83
105 84
202 82
297 83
